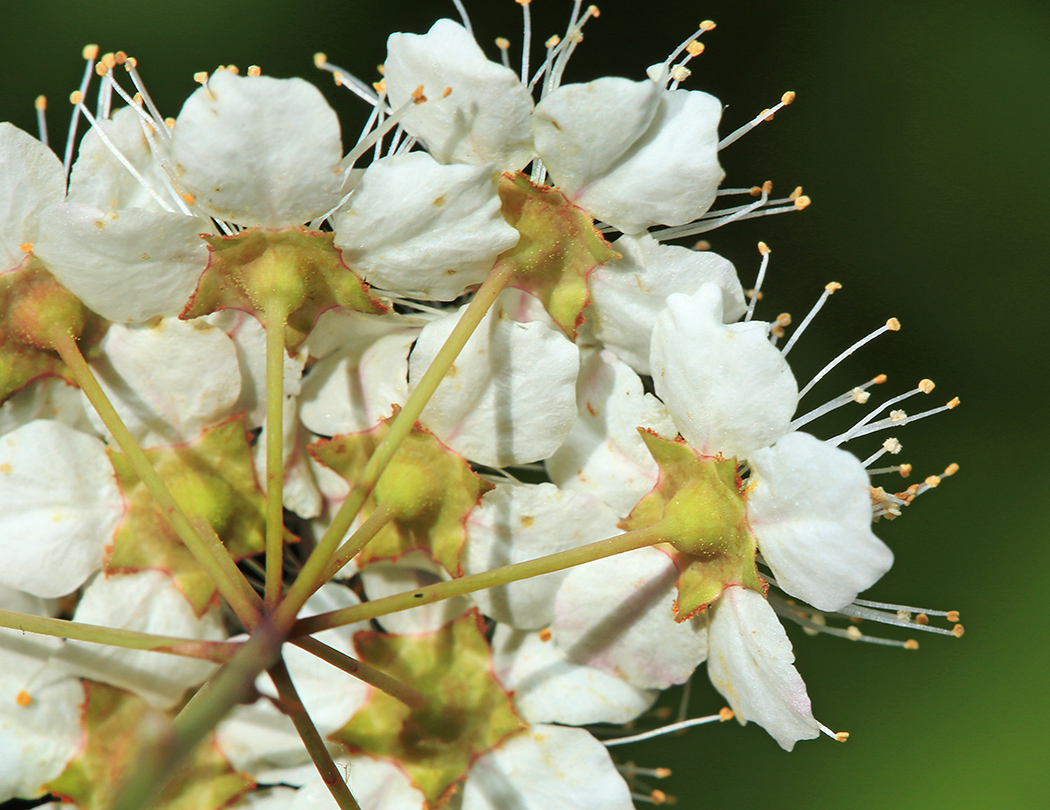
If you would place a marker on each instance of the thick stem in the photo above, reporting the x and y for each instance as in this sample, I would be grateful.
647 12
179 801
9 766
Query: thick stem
219 567
218 651
429 594
293 707
312 575
234 683
276 322
363 672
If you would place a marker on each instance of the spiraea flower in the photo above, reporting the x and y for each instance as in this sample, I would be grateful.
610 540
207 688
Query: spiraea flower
398 477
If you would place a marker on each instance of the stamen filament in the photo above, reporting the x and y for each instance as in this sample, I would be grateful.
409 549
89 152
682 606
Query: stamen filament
765 115
857 394
526 42
41 118
892 325
90 52
131 67
668 729
829 290
855 431
763 248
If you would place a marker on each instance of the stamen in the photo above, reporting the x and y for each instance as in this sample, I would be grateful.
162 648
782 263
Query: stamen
756 293
671 728
89 53
564 50
901 419
463 16
392 121
787 611
716 219
254 70
891 446
765 115
924 387
901 618
41 118
526 40
829 290
838 736
345 78
504 51
131 66
859 394
629 769
77 99
892 325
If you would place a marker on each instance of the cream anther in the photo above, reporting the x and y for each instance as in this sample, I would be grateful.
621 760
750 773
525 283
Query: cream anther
892 446
898 415
853 632
679 73
860 396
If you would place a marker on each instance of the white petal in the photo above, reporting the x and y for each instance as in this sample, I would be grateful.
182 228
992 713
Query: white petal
729 390
413 570
549 688
351 391
811 513
668 176
31 179
376 784
59 504
49 398
547 768
615 614
259 740
603 453
519 522
423 229
147 602
170 380
126 266
582 130
751 664
300 492
259 151
346 330
485 119
628 293
99 180
511 396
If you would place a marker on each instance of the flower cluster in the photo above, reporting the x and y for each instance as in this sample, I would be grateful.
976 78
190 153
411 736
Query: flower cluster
429 478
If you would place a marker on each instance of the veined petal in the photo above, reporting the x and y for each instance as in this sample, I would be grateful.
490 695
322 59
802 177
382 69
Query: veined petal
59 505
170 380
259 151
511 396
126 266
603 453
549 688
810 509
669 175
751 663
148 602
424 229
519 522
582 130
729 390
577 774
485 119
31 179
615 614
628 293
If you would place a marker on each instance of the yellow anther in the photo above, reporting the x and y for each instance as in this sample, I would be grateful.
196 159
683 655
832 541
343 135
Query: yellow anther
725 713
101 69
755 191
933 481
417 95
767 187
523 2
707 25
922 618
802 202
40 103
662 773
926 386
832 287
853 632
702 244
236 71
905 470
502 43
26 247
90 52
23 698
694 48
958 631
658 797
254 70
911 644
109 59
131 63
446 92
951 469
189 198
787 98
594 11
893 325
201 77
545 634
552 42
794 195
954 403
842 736
763 248
953 616
379 87
121 57
320 60
784 319
169 122
76 97
880 379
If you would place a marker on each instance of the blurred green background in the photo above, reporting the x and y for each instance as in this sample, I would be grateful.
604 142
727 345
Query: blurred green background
920 132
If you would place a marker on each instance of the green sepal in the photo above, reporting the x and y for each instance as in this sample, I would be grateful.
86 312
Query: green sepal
213 479
699 506
429 487
299 271
558 249
113 747
467 712
32 304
